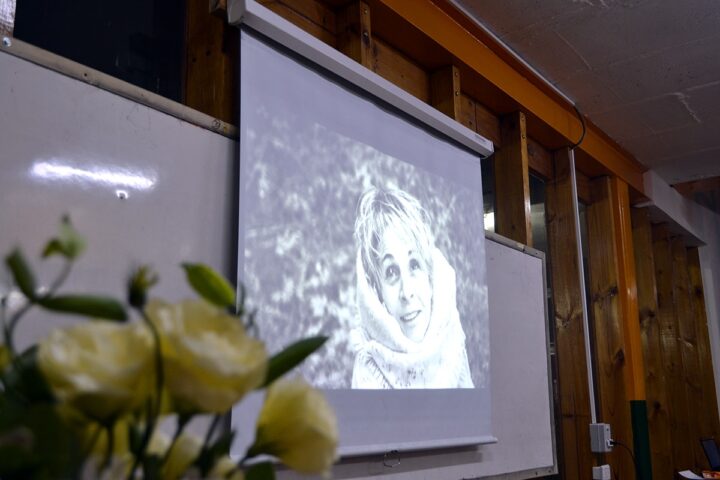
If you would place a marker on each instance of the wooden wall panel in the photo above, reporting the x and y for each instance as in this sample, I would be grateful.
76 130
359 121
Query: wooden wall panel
211 63
710 425
655 383
445 91
687 342
354 32
312 16
576 460
682 453
610 348
395 67
512 183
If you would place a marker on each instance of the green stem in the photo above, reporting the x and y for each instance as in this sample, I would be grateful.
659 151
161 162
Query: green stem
154 412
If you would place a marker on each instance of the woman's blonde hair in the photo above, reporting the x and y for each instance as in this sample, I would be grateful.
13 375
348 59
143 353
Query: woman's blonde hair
380 210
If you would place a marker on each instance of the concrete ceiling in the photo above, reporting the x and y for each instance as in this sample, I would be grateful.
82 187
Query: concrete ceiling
645 71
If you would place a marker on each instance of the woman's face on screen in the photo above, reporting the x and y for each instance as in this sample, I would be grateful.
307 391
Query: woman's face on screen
405 284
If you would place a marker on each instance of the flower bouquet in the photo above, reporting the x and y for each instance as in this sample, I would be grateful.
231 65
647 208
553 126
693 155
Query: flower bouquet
112 397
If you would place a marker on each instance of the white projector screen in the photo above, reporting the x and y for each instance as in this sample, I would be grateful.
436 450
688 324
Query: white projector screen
357 223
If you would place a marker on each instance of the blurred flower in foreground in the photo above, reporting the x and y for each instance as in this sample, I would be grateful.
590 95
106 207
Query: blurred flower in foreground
99 368
210 362
297 425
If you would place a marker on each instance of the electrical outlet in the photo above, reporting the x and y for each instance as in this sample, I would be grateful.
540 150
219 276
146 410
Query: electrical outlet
601 473
600 438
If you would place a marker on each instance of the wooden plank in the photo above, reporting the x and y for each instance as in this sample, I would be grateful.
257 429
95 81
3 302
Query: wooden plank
512 183
445 91
655 384
576 460
698 186
627 285
539 160
392 65
610 348
211 63
710 424
309 15
467 113
687 341
671 357
354 32
583 187
488 124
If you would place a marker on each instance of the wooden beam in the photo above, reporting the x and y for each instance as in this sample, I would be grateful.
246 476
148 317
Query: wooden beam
512 182
576 458
687 341
445 91
354 32
710 424
655 384
611 350
671 356
627 286
211 58
442 22
698 186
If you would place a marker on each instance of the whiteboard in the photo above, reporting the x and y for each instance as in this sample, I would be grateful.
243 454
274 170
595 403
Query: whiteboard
190 213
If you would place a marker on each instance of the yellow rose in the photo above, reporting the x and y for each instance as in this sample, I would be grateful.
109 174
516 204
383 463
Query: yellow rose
210 362
101 369
297 425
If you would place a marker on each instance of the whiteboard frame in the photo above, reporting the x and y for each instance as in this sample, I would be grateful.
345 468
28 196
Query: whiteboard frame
272 25
494 237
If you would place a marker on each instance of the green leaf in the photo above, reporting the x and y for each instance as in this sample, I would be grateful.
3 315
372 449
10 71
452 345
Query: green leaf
87 305
283 362
260 471
68 243
21 273
209 284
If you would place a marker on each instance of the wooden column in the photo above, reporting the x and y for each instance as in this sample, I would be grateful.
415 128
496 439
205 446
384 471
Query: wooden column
610 282
710 426
512 182
687 342
576 459
354 32
655 383
445 91
671 356
211 63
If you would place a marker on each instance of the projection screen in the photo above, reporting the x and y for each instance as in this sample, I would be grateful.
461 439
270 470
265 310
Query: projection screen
357 222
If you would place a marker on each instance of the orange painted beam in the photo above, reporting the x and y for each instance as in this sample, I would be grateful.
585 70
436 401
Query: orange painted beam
434 20
627 289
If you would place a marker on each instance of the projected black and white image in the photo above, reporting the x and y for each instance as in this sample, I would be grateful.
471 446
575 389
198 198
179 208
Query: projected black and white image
342 239
408 332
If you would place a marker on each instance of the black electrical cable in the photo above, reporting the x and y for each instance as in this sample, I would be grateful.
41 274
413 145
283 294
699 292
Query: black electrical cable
615 442
584 129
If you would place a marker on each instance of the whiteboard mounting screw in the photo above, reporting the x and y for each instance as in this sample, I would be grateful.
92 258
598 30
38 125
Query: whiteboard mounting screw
7 42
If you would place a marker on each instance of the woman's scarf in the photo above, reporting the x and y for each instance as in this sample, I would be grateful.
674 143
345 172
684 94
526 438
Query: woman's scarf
438 361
